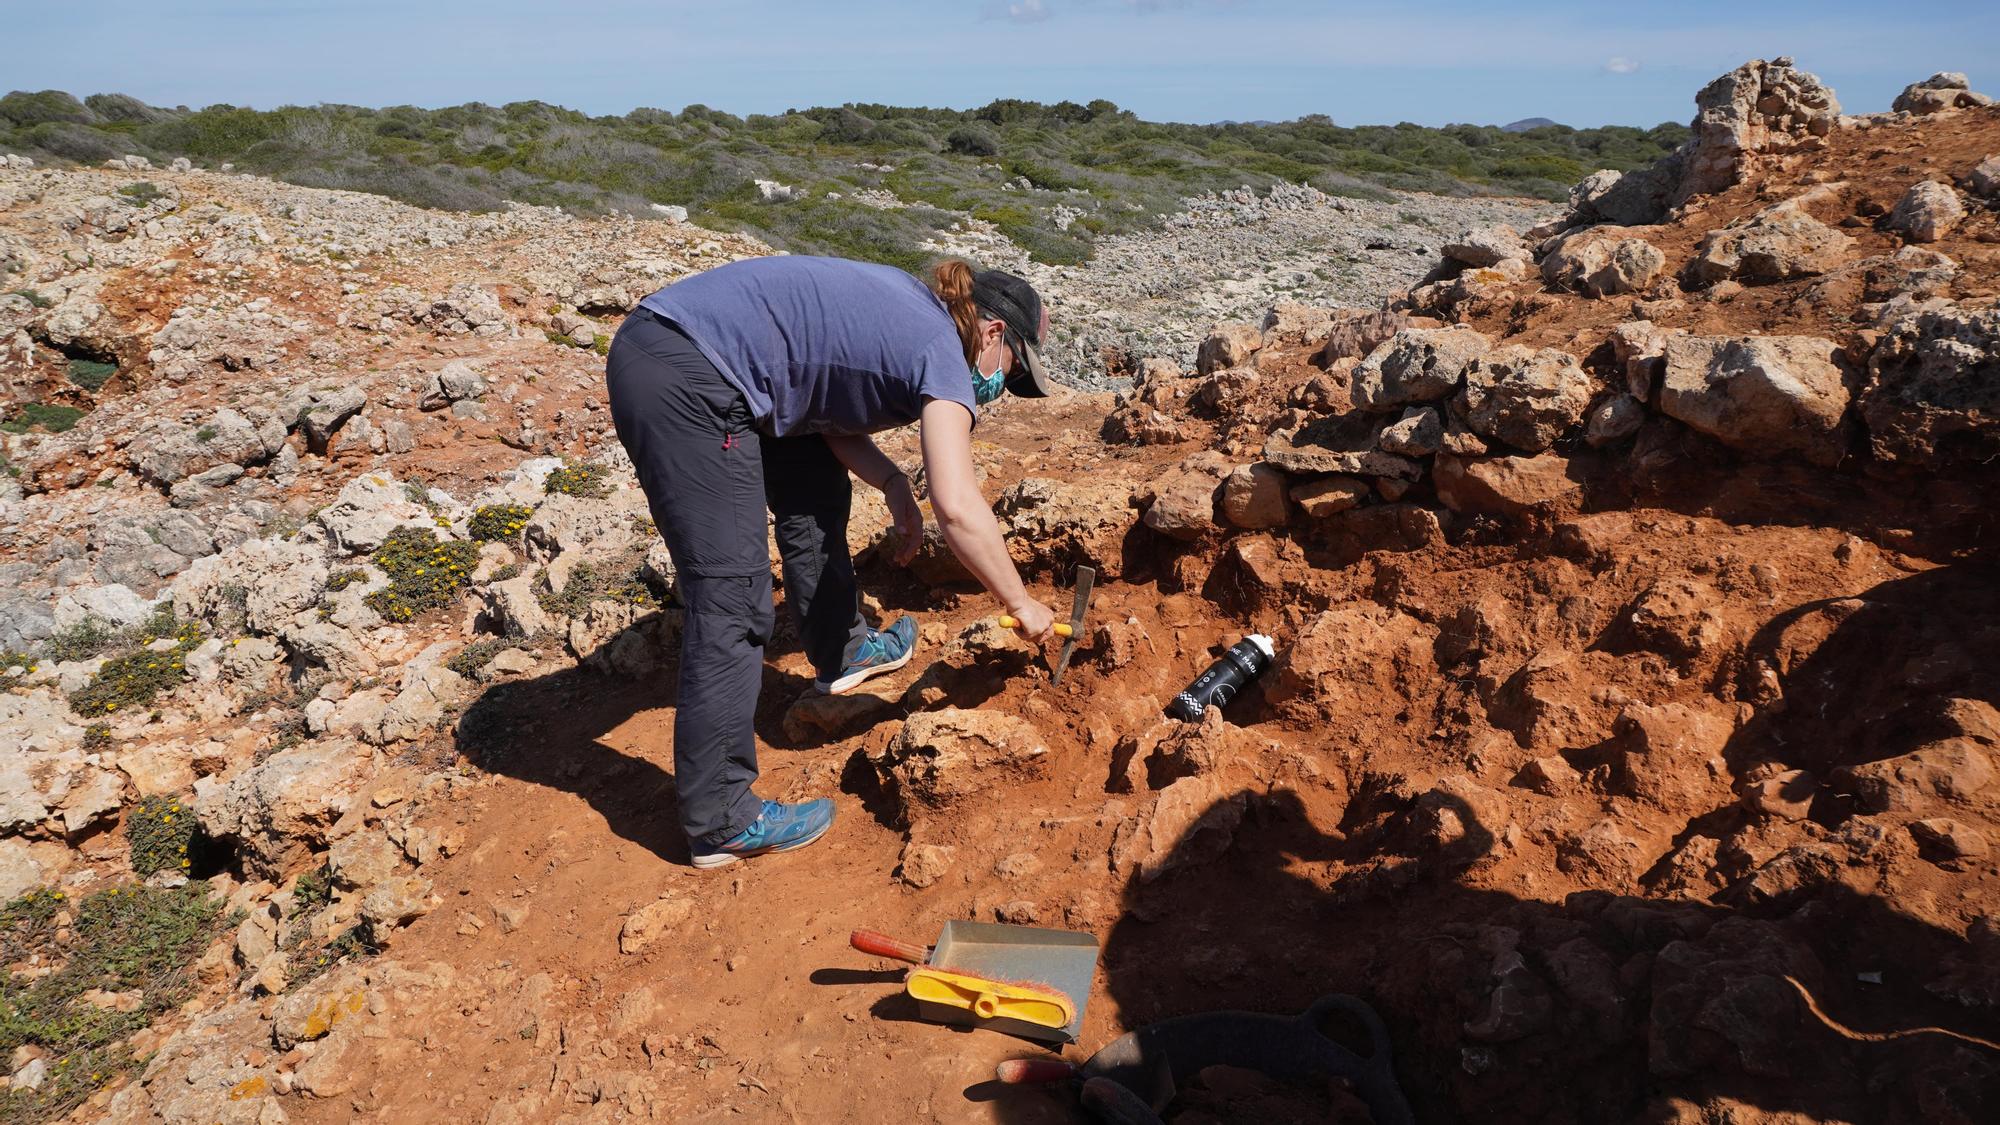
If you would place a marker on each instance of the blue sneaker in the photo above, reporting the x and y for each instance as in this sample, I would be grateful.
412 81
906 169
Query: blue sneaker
885 650
779 828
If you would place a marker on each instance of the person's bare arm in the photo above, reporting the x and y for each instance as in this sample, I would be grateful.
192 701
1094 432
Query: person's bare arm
866 460
966 519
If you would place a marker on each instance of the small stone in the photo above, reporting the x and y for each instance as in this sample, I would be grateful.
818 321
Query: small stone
1947 838
1549 776
1787 795
1018 913
1253 496
924 864
511 915
651 922
1017 866
395 901
1927 212
1329 495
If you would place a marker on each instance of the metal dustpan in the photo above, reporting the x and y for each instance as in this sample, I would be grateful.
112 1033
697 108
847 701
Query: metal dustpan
1058 959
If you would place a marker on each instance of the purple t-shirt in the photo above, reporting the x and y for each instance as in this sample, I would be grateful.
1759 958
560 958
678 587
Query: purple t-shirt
822 345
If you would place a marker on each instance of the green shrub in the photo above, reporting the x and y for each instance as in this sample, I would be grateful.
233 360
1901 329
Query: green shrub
505 571
591 582
205 434
52 418
90 374
141 193
121 939
97 738
34 298
498 521
342 579
88 638
160 832
587 481
424 572
469 660
138 675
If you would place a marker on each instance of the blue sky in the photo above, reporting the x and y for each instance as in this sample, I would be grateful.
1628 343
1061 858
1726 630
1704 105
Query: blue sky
1584 63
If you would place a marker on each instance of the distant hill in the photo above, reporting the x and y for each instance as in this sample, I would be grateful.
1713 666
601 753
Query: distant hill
859 180
1527 123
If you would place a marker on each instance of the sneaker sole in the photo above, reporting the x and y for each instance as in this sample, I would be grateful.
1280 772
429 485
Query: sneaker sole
849 682
713 860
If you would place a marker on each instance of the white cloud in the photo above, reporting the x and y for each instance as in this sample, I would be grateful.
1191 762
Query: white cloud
1619 64
1016 11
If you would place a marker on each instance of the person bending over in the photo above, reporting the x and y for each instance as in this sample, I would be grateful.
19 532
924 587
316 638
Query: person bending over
756 385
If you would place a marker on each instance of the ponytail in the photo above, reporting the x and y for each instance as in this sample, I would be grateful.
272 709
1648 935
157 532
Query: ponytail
951 280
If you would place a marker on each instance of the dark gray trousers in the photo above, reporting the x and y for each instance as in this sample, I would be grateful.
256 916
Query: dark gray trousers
709 477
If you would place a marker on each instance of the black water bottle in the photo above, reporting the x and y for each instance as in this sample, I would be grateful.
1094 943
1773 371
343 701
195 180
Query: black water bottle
1225 679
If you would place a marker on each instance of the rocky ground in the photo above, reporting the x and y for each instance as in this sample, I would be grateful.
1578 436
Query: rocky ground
1634 720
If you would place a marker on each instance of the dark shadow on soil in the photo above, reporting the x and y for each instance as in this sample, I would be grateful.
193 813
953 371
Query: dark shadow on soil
1602 1007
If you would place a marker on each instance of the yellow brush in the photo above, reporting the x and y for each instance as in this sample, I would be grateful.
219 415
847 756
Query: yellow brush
991 999
1062 628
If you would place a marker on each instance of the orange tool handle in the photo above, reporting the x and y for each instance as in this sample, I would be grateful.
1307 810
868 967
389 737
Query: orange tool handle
1062 627
882 945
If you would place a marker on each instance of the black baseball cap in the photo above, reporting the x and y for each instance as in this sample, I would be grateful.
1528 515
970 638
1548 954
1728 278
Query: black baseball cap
1014 303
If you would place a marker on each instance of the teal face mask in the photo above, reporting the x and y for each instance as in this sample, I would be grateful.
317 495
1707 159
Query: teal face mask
986 388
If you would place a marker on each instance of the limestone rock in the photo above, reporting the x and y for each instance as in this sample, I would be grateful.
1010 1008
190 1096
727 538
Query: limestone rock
396 901
276 580
368 509
1507 486
651 922
941 757
1927 212
1418 433
1786 795
1951 771
1191 822
1764 395
1228 345
1060 522
169 452
1613 420
1948 839
1776 244
1340 443
1946 90
1486 246
1931 399
325 411
1603 855
1416 365
1641 348
1329 495
1760 108
1604 262
1253 496
1525 397
1355 650
1183 502
1986 178
280 809
924 864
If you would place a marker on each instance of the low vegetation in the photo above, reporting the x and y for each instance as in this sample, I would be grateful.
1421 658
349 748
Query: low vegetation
498 521
870 181
123 956
161 834
425 573
47 417
587 481
142 669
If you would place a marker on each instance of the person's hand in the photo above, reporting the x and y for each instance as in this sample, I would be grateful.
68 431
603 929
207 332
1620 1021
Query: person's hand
907 515
1034 621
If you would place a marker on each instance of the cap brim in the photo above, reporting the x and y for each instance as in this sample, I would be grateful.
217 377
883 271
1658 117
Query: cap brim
1035 382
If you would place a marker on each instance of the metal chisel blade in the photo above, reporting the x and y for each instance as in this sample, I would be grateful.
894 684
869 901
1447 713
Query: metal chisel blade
1086 577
